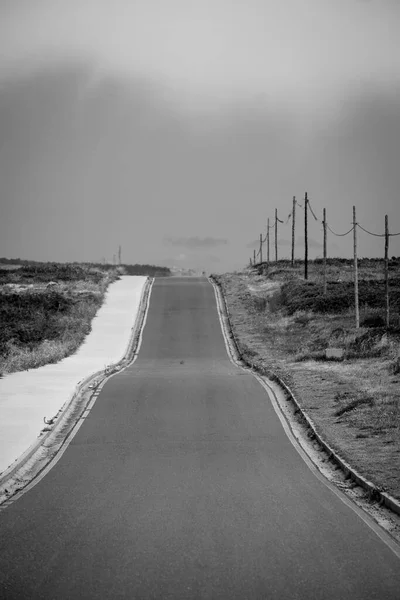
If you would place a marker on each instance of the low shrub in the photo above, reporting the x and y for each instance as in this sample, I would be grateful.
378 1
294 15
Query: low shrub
28 318
41 324
302 318
259 303
275 301
394 367
52 272
357 402
374 320
308 295
368 344
248 352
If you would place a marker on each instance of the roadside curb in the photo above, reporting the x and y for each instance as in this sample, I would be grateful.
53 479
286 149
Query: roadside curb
374 493
71 413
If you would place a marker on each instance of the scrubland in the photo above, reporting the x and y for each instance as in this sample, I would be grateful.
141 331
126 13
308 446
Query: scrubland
46 311
285 325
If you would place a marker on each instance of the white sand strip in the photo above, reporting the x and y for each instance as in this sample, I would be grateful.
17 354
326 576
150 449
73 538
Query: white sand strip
28 396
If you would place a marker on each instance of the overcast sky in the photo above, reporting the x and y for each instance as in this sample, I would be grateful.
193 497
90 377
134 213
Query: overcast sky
175 128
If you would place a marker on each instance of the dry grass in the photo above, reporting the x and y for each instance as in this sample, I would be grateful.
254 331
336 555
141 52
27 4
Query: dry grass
355 403
46 309
48 351
42 323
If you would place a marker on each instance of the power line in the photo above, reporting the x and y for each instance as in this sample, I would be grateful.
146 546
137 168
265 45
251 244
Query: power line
375 234
291 215
370 232
312 212
340 234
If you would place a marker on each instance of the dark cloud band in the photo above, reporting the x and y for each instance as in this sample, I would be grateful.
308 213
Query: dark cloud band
195 242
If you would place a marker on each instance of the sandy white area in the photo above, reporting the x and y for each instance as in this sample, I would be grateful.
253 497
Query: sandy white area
28 396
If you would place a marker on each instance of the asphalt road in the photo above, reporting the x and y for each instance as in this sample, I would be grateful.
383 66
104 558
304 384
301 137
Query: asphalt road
182 484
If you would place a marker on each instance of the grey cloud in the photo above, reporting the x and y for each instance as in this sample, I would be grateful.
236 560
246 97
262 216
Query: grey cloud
195 242
74 149
310 74
311 242
256 243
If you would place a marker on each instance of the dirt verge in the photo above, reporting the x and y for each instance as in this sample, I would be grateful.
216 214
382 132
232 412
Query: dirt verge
354 403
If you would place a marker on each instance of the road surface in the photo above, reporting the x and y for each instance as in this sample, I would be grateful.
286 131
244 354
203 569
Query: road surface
182 484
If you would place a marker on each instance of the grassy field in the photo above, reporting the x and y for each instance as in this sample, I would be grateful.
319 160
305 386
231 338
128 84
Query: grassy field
46 311
285 325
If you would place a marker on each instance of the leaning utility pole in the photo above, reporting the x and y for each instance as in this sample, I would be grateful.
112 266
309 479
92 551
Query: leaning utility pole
324 226
276 235
387 271
261 243
356 306
305 237
293 227
268 242
254 257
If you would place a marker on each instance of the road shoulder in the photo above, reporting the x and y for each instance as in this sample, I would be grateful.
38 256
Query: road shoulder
315 441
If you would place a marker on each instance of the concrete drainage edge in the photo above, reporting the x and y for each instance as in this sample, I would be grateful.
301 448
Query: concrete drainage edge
91 382
374 493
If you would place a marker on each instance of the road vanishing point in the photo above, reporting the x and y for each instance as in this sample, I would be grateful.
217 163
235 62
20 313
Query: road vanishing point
181 483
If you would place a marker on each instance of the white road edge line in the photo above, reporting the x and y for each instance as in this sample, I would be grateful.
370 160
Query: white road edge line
267 385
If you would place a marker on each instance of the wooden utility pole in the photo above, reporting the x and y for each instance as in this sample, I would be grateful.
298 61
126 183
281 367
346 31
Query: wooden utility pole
293 227
305 237
261 244
276 235
387 271
324 225
268 242
119 255
254 257
356 306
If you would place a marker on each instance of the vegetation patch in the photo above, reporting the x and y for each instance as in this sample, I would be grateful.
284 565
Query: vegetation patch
68 270
48 272
308 296
285 325
46 311
28 318
355 403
